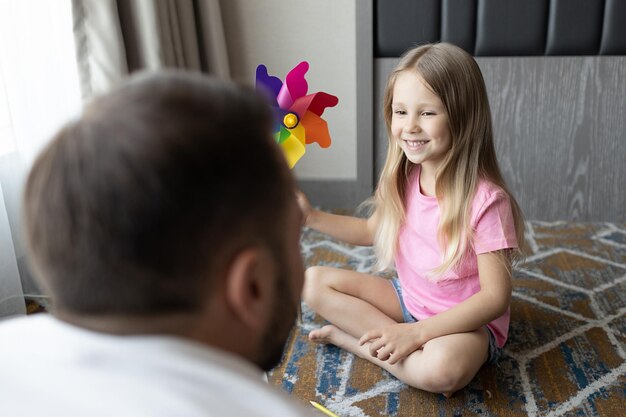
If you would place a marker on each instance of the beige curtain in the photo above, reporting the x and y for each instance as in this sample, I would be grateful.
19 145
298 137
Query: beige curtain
117 37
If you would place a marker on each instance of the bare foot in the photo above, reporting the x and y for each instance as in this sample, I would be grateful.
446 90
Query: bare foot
333 335
323 334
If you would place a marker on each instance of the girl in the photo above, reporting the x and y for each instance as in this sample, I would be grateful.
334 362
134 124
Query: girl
443 214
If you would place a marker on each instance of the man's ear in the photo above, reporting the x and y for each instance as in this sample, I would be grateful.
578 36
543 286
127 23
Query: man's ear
249 287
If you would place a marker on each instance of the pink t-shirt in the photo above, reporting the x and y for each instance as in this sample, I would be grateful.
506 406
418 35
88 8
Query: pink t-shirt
419 252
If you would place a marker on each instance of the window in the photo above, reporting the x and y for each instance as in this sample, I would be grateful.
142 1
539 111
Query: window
39 86
7 139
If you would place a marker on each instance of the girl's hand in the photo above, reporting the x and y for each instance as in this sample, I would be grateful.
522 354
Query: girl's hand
394 343
305 206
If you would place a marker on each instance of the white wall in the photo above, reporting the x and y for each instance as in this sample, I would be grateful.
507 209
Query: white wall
280 34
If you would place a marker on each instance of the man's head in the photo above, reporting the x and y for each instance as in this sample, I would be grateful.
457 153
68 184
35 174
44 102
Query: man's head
143 206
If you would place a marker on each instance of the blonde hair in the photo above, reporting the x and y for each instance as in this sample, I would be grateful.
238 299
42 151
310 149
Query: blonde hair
454 76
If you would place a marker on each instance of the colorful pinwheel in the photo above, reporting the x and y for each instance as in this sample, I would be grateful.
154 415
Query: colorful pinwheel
297 115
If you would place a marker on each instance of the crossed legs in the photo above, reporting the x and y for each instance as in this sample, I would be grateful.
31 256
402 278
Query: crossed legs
355 303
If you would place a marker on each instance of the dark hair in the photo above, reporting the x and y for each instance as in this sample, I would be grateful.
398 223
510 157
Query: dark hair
132 208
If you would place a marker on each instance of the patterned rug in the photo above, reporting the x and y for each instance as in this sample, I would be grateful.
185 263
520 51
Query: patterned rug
566 350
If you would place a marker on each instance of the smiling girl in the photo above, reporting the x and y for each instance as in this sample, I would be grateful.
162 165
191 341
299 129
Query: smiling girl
443 217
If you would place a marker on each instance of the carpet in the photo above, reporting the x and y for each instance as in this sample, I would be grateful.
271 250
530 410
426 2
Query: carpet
566 350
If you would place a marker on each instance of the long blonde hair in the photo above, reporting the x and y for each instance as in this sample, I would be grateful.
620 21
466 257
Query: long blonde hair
454 76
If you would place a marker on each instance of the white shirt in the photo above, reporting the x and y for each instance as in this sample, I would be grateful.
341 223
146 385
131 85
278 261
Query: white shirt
51 368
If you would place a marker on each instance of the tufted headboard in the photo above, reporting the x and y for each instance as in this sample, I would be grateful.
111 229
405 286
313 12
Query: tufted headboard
503 27
556 77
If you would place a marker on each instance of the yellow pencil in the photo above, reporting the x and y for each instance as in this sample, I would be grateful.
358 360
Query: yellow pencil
323 409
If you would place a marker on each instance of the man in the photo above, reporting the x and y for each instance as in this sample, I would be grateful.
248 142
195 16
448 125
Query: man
163 224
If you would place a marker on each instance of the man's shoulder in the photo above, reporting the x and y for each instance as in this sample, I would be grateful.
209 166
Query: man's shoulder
24 326
54 364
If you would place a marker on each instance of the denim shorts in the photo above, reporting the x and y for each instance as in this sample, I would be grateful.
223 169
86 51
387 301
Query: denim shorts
494 350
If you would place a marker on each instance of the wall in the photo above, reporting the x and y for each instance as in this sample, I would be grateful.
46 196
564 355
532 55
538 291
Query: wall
280 34
336 38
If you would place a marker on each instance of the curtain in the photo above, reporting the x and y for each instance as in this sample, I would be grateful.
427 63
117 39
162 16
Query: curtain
39 92
12 298
114 38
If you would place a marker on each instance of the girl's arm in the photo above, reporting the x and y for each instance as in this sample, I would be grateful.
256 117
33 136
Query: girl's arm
398 341
349 229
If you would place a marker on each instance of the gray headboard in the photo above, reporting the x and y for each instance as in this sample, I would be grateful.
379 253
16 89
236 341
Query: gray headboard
556 77
503 27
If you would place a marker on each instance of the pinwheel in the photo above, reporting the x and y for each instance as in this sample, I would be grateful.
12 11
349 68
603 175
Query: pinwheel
297 115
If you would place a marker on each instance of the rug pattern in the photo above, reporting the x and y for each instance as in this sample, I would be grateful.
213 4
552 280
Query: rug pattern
566 350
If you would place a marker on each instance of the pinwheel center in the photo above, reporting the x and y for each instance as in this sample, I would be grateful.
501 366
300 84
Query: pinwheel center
290 120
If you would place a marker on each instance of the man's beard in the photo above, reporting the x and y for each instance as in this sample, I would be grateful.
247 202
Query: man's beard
279 327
